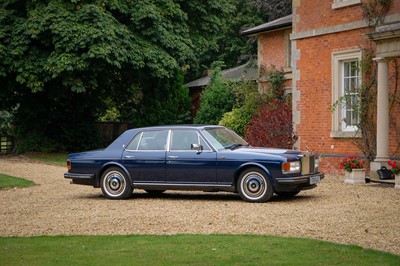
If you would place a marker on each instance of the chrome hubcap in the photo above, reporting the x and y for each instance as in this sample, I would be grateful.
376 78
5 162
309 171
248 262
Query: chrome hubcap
114 183
254 185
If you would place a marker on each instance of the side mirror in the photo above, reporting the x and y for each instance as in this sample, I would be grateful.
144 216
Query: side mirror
196 147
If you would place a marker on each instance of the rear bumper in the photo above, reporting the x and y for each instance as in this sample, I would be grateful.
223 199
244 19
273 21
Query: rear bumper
81 179
78 176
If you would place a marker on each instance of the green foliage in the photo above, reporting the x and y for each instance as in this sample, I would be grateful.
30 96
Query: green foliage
275 80
167 102
5 123
7 181
215 100
64 63
248 100
184 250
48 158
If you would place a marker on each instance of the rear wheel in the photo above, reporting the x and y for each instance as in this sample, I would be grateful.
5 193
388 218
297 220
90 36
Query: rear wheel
254 186
115 184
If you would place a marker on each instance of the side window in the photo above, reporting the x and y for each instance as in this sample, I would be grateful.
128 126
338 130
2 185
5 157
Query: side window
204 145
153 141
133 145
182 140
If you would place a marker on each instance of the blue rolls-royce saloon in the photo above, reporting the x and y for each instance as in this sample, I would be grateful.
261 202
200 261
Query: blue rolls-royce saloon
193 157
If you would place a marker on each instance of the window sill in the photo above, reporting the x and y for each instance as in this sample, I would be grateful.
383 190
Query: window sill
345 134
342 4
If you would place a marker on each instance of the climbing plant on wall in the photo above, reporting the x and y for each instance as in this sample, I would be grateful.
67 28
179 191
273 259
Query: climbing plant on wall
374 11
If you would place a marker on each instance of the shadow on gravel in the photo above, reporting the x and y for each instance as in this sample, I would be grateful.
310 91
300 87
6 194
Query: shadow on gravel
201 196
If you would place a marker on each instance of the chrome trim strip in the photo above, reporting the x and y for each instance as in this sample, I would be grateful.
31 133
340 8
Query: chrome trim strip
180 184
78 176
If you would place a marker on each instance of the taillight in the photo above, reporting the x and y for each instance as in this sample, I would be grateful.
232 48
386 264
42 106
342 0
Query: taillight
68 165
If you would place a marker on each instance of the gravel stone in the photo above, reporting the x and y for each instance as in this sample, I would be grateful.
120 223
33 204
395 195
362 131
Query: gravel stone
365 215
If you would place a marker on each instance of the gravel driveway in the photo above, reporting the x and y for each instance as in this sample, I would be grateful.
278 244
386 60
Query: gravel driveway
365 215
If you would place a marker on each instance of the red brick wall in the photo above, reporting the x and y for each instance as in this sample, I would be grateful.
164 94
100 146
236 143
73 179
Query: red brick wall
272 53
271 49
315 83
394 101
314 14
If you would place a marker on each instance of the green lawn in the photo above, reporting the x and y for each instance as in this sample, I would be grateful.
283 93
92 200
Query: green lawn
50 158
184 250
7 181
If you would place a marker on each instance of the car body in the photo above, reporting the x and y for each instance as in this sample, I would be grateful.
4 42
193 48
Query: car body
193 157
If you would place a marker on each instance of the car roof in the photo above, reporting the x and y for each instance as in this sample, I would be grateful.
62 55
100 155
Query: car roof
183 126
125 137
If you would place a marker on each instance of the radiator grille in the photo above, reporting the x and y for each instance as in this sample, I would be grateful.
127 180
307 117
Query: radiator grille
308 165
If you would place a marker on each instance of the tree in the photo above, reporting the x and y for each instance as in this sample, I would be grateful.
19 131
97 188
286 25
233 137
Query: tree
274 8
62 61
228 45
215 100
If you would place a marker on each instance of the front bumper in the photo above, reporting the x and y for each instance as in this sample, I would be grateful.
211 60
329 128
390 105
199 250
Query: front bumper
297 182
298 179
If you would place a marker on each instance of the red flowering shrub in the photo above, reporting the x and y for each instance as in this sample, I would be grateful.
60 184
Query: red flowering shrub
395 167
350 163
271 126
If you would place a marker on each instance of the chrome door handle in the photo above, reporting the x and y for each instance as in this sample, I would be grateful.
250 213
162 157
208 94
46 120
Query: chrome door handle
173 157
129 157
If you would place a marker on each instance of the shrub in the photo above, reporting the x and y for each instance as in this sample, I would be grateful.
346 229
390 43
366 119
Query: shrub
272 126
237 120
248 100
215 101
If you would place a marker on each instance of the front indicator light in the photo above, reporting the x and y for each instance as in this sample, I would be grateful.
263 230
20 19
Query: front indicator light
291 167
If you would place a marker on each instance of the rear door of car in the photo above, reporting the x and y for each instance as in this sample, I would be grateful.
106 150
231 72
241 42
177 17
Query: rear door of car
185 165
144 157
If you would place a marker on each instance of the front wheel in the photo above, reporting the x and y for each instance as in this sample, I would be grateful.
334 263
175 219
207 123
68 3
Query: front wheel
254 186
115 184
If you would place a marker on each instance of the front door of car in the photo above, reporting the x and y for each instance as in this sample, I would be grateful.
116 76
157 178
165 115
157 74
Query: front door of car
187 165
144 157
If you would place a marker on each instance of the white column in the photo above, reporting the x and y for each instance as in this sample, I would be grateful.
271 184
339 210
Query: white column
382 123
382 131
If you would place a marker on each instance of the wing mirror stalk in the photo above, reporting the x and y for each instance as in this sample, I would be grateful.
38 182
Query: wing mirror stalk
196 147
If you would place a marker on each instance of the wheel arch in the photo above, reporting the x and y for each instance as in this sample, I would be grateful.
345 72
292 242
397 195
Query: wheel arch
246 166
109 165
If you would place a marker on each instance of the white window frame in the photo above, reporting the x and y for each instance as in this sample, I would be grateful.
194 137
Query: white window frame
339 130
343 3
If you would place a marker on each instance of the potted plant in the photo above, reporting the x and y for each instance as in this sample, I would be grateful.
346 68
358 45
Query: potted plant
355 171
396 171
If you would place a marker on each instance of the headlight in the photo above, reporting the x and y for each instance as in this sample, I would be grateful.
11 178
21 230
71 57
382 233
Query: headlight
316 165
291 167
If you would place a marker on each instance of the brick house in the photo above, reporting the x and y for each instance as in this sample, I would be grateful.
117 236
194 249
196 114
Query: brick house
320 47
